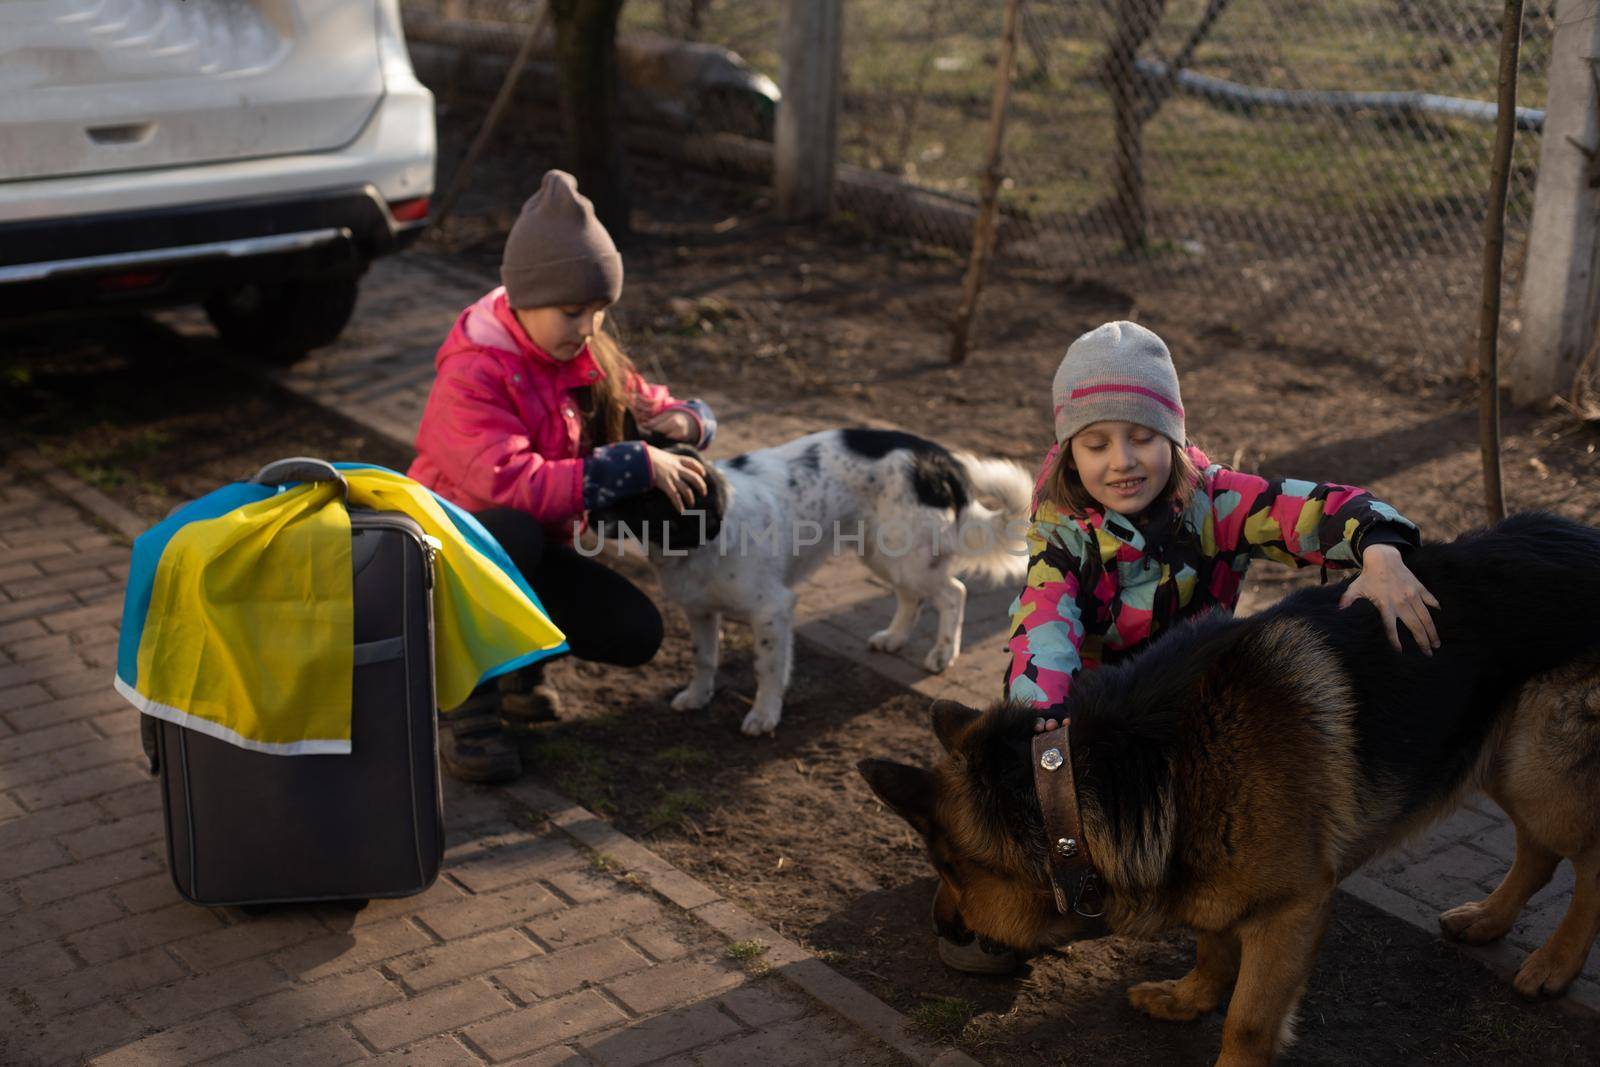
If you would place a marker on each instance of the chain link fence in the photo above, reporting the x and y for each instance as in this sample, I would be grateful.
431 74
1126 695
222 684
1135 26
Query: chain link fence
1308 170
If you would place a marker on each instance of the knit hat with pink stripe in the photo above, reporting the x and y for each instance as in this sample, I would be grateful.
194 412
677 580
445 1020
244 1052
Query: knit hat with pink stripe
1118 372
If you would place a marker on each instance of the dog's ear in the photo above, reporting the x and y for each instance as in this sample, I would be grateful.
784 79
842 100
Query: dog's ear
951 718
907 790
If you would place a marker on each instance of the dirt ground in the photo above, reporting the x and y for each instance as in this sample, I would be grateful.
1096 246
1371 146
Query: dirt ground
722 300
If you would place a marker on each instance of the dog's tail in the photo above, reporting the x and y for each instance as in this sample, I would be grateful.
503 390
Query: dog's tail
989 531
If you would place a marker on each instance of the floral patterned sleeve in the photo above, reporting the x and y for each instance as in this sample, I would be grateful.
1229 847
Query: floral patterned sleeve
1298 522
1046 621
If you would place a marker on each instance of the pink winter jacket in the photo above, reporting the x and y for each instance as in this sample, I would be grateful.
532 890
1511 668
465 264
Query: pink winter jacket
501 427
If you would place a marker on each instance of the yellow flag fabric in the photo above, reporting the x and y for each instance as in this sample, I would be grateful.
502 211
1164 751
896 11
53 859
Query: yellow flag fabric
239 618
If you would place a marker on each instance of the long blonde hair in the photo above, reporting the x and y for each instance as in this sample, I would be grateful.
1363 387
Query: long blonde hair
1064 488
608 414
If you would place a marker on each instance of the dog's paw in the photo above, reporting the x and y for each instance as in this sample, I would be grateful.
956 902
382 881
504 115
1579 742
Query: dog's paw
692 699
1474 924
1547 972
886 641
940 656
761 721
1174 1001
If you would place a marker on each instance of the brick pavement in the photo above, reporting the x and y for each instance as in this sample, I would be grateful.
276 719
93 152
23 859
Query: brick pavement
550 939
379 375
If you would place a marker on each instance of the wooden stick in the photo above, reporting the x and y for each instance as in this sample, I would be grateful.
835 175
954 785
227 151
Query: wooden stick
988 209
1493 253
502 100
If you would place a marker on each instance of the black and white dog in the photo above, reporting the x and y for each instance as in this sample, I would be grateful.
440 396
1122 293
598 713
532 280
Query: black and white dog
916 513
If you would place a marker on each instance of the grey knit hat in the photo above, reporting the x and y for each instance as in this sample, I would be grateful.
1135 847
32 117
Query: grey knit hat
1118 372
558 253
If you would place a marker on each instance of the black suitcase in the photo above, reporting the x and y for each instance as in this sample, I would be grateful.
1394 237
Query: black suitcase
252 828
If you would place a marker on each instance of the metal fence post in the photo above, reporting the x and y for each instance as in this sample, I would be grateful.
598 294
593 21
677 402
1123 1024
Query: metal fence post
808 116
1561 283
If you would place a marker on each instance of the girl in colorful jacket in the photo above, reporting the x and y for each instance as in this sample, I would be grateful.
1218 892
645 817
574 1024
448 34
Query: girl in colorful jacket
1132 530
526 426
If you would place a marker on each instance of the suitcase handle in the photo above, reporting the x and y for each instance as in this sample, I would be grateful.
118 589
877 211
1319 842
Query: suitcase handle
302 469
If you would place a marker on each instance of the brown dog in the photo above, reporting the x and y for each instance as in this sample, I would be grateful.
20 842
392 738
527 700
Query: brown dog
1230 776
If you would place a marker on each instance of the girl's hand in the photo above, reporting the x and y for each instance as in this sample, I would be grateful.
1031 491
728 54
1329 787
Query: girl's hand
678 425
682 478
1387 582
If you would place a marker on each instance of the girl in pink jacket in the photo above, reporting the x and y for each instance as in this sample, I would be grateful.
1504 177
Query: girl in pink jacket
528 425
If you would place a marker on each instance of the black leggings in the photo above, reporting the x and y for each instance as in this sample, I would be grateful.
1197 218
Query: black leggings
607 619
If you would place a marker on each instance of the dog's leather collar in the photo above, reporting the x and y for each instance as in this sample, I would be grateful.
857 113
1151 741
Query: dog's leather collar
1073 878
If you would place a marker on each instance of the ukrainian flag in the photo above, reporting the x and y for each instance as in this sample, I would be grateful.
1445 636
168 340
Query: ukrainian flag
238 618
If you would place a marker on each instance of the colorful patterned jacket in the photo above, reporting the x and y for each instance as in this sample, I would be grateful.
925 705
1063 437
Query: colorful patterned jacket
1100 587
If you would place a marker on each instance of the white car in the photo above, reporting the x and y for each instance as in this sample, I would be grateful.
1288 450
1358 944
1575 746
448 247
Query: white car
251 155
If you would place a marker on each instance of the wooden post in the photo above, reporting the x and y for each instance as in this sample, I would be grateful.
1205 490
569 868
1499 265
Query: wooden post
808 116
1494 241
1561 284
988 207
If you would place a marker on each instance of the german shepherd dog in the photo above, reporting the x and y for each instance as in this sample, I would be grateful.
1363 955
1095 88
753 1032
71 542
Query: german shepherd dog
908 506
1229 776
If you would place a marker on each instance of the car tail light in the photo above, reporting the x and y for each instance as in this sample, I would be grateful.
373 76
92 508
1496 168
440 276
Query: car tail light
131 280
409 210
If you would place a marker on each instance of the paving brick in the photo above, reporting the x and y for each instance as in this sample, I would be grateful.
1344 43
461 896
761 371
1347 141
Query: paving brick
51 712
670 984
431 1013
87 679
126 803
98 873
71 1038
666 943
77 618
51 532
763 1003
192 1043
103 655
496 869
357 947
15 572
39 670
34 856
188 997
19 698
118 723
1449 877
135 933
795 1044
114 556
69 788
253 936
589 921
65 582
45 740
37 607
442 1051
22 966
28 771
95 635
322 1046
440 964
39 647
98 840
564 1057
147 894
568 969
470 915
553 1022
131 974
57 920
95 753
661 1036
319 1002
582 886
9 809
96 594
21 630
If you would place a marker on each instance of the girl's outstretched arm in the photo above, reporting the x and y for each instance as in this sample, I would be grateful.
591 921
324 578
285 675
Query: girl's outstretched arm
1046 620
